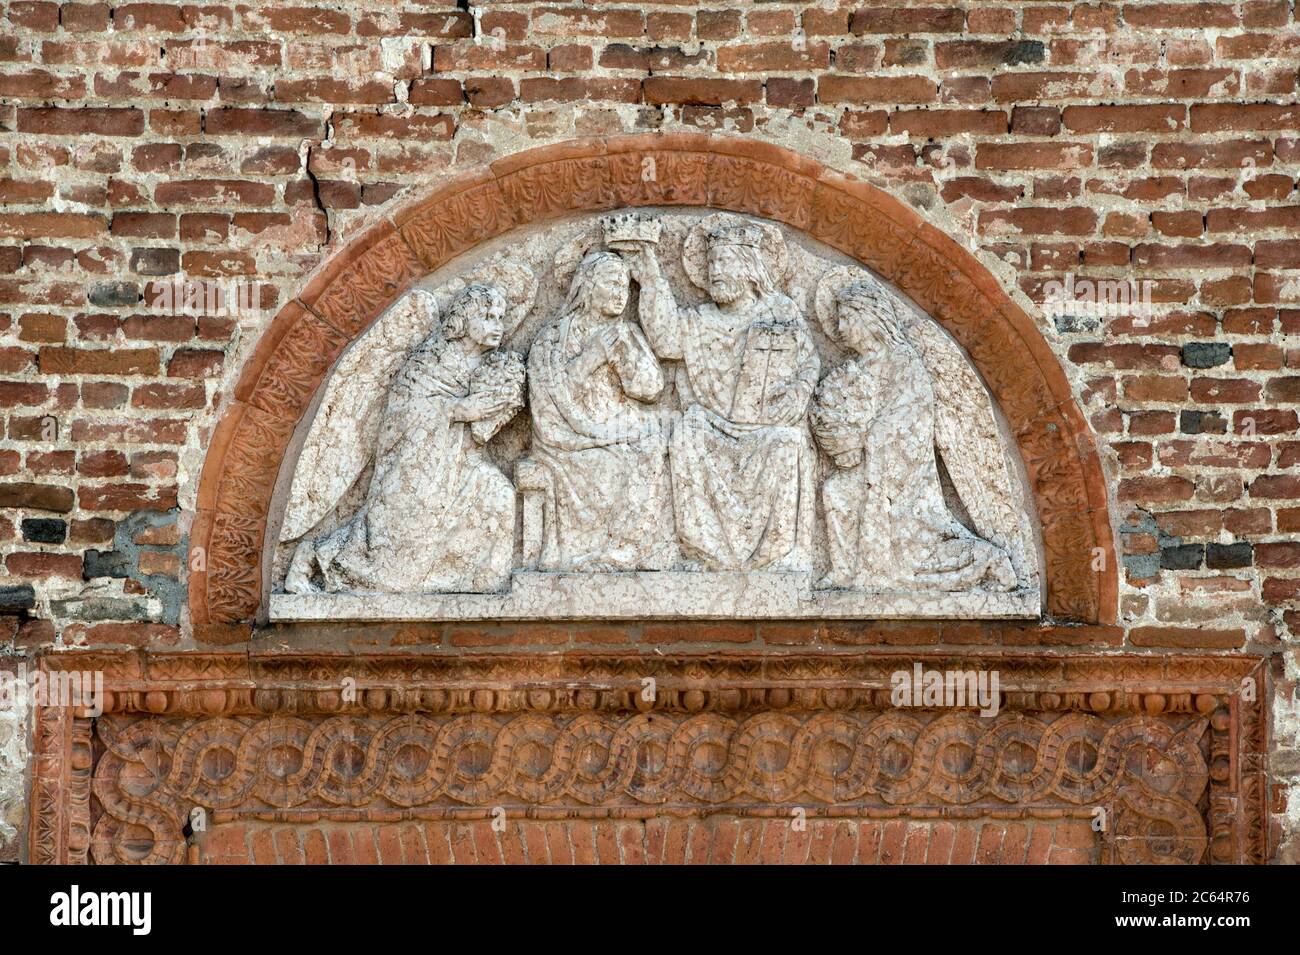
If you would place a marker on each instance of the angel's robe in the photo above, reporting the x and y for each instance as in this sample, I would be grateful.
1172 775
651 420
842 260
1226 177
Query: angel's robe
604 452
743 463
437 516
888 524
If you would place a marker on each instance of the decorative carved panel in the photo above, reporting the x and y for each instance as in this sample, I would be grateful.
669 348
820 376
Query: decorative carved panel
1166 752
725 419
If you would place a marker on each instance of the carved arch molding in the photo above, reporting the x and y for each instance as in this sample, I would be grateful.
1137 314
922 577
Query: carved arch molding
415 762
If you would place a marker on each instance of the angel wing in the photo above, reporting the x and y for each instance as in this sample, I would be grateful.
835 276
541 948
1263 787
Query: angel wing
346 426
968 439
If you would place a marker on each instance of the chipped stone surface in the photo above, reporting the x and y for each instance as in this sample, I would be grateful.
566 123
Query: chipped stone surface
668 449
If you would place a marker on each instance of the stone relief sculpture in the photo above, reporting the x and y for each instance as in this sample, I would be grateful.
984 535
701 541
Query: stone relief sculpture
880 417
343 435
597 443
437 516
742 459
678 456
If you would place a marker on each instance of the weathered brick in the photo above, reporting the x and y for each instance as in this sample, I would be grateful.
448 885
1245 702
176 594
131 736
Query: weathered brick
241 121
890 89
41 497
59 121
907 20
715 92
59 360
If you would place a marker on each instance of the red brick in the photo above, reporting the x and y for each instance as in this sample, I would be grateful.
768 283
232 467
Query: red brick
1155 489
58 360
57 121
947 122
907 20
1233 154
1040 844
39 17
886 89
772 58
242 121
1043 220
1124 119
1187 637
1224 390
44 565
1033 155
126 497
1276 487
892 841
714 92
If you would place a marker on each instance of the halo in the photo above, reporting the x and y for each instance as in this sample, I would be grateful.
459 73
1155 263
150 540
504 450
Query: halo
570 255
695 248
834 279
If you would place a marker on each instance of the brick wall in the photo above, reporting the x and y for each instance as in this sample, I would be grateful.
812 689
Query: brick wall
1153 142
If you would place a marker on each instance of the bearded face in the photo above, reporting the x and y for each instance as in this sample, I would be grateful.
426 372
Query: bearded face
856 328
728 277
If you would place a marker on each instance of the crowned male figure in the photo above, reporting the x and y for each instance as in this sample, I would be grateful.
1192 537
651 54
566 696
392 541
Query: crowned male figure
741 455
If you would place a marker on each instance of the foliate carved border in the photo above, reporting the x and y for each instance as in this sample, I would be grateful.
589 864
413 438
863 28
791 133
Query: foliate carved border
1172 747
359 282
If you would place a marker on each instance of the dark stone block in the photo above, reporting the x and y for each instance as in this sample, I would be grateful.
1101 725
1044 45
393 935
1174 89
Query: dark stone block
1225 556
1202 422
44 530
1206 354
1024 51
12 599
106 563
1069 324
1182 556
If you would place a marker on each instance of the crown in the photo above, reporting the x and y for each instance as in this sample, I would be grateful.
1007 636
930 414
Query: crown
629 227
737 234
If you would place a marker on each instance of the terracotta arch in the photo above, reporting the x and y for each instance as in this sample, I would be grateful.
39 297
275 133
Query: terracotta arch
358 283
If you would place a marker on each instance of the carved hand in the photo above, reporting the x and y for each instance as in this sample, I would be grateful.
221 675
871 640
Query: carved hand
609 337
849 459
789 402
595 352
641 261
482 405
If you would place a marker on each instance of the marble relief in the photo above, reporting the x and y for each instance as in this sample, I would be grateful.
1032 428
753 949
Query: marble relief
651 414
